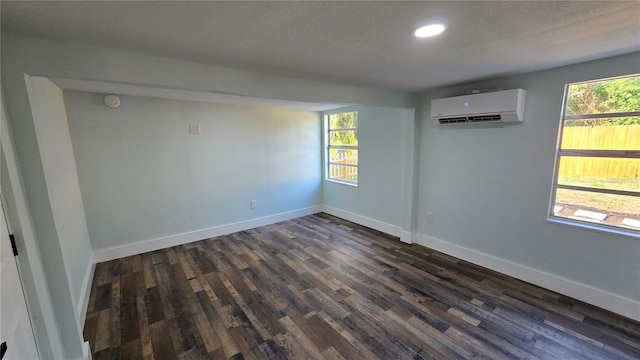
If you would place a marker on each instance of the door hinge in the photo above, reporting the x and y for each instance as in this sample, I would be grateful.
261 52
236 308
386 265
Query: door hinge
13 244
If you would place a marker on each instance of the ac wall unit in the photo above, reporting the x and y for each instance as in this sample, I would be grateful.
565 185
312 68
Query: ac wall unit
498 107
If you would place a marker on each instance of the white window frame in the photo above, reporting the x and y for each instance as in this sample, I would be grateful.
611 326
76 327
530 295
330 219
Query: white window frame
619 154
329 147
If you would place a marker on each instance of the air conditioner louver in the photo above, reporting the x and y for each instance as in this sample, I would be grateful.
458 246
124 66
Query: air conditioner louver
498 107
453 120
485 118
470 119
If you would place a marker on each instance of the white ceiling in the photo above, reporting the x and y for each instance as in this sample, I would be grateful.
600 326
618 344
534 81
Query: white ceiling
356 42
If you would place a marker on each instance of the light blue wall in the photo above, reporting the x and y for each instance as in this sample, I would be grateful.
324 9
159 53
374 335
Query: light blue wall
29 261
382 137
143 176
61 178
68 60
64 60
489 188
54 199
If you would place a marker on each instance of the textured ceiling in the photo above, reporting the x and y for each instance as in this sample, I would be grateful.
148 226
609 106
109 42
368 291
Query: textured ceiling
367 43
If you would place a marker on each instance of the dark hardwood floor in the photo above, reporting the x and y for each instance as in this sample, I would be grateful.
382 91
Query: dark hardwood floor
319 287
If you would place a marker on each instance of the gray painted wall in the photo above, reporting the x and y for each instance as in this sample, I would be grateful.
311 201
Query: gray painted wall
489 188
143 176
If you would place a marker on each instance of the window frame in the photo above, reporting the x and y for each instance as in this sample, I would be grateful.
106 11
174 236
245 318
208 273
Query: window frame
616 154
328 147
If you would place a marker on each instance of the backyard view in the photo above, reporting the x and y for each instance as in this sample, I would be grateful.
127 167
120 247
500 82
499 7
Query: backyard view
342 150
599 158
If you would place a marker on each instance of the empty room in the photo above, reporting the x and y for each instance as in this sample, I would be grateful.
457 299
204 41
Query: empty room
320 180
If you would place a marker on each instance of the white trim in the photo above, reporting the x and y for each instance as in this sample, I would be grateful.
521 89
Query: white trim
407 237
41 298
85 293
603 228
86 351
363 220
184 238
341 182
618 304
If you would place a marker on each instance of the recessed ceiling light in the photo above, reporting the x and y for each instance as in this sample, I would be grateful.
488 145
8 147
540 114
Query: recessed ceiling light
429 30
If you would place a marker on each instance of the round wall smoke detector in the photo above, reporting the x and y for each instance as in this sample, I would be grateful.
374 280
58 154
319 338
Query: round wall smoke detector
112 101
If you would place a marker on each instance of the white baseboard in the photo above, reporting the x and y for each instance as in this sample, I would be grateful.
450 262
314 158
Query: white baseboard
86 351
86 292
620 305
407 237
184 238
363 220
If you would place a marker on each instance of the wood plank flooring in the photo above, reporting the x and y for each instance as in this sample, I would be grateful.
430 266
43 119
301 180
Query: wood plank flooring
319 287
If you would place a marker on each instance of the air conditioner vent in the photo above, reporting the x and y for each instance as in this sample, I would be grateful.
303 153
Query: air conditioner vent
485 118
453 120
488 108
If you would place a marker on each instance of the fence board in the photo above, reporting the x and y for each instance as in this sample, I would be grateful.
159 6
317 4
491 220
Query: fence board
616 137
348 173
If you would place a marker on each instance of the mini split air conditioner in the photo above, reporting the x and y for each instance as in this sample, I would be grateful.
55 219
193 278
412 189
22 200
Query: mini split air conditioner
498 107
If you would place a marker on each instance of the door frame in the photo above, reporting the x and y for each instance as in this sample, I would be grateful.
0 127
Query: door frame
24 325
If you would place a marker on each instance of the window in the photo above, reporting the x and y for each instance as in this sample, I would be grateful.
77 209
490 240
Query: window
597 175
342 147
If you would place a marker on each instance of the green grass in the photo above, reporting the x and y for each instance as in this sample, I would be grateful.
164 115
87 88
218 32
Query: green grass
618 183
605 202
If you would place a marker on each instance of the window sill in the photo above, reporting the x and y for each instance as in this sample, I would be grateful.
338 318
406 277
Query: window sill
342 182
595 227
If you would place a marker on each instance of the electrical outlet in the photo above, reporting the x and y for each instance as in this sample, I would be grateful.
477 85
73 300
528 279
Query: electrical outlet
253 204
430 217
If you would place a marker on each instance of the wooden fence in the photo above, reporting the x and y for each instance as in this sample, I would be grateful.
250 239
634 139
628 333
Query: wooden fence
347 173
617 137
